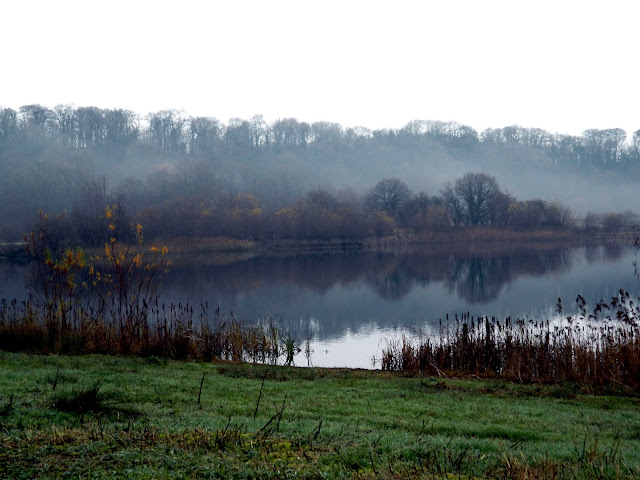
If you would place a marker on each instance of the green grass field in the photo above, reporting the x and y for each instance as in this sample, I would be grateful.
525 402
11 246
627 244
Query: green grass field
125 417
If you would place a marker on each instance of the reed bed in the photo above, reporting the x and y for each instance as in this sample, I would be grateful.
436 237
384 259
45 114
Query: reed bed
571 350
177 331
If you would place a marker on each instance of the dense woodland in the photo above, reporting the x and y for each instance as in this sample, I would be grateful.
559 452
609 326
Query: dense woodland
183 176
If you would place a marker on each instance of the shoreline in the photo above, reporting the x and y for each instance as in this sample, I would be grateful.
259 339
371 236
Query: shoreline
398 241
463 240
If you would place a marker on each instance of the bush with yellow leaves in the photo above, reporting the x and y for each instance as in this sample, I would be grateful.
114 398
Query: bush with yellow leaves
114 288
126 280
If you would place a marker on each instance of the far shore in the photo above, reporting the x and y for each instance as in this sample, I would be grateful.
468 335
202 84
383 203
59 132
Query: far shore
466 238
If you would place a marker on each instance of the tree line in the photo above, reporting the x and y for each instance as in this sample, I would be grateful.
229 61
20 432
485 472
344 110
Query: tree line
475 199
196 176
174 132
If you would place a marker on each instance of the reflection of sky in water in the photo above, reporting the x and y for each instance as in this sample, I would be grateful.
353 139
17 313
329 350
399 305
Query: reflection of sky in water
348 304
352 350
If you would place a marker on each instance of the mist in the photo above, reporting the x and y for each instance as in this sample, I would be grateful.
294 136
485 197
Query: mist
72 159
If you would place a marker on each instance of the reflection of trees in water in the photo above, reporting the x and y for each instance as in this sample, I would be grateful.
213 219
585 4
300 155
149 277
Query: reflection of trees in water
475 278
479 280
593 253
608 253
427 268
328 294
393 285
537 264
317 272
613 252
401 273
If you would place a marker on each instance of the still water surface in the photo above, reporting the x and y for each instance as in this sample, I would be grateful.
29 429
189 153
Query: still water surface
350 304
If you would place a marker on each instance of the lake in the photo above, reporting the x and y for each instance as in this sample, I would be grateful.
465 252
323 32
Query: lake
348 304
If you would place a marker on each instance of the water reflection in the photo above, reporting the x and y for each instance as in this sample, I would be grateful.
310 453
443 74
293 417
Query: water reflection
335 295
391 276
478 280
394 283
599 253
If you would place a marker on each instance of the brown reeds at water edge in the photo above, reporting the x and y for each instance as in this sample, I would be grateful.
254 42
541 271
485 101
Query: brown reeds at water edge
573 349
176 331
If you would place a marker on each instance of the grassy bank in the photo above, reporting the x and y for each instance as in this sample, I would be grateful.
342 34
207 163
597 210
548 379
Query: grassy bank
126 417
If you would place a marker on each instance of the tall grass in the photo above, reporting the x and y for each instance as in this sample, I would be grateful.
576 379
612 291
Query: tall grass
167 330
574 350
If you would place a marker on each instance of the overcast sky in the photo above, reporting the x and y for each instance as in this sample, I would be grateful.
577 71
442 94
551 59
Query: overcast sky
564 66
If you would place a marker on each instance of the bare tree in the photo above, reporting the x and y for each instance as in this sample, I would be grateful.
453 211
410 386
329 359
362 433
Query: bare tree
204 135
469 198
390 195
33 120
613 222
167 131
499 205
